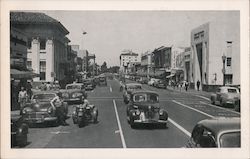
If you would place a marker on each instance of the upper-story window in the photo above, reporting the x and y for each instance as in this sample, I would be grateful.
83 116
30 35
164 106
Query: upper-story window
42 44
229 61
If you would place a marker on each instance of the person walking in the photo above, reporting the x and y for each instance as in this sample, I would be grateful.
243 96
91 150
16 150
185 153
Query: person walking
29 91
198 85
186 86
22 97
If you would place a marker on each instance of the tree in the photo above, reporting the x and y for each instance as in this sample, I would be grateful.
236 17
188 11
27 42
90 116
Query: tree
104 67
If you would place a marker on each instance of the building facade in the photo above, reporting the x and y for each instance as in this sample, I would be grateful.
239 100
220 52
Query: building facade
47 44
126 58
18 49
209 43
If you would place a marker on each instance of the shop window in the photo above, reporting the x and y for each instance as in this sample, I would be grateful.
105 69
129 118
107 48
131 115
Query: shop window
228 79
229 61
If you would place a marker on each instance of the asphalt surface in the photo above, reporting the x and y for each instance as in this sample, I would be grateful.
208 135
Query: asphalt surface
113 131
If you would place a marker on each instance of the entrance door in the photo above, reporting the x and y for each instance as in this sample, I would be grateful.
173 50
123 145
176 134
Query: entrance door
199 55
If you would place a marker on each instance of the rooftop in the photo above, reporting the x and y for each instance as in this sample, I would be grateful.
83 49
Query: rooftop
34 18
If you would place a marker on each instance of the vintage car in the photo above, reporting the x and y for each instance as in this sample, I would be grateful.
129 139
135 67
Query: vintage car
128 89
19 131
160 83
74 92
88 84
225 96
216 132
102 80
41 109
144 108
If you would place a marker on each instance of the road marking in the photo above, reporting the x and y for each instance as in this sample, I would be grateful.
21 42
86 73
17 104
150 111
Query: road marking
110 89
119 126
203 97
193 109
220 108
180 127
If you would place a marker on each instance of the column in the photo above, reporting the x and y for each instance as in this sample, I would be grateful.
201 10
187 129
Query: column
50 72
35 57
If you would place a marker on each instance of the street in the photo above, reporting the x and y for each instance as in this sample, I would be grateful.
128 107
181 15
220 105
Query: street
185 109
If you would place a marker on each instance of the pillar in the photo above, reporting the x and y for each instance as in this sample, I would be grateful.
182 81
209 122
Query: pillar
50 72
35 57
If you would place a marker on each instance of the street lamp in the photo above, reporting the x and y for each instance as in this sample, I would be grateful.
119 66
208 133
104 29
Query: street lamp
224 70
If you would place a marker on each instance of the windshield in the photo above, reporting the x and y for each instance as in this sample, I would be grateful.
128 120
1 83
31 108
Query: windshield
133 87
231 139
231 90
146 98
44 96
73 87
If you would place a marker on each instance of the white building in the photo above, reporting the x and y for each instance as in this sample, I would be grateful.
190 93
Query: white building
209 42
126 58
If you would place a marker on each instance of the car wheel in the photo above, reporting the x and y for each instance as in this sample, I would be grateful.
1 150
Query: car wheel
212 101
222 104
23 141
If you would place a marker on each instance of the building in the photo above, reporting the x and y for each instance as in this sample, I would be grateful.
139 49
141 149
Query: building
47 44
209 42
18 49
127 57
187 64
146 64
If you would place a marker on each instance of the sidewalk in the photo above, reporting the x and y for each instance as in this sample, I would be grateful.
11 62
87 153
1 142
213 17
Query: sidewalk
191 91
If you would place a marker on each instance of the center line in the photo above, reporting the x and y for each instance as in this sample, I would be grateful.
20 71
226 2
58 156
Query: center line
110 89
180 127
119 126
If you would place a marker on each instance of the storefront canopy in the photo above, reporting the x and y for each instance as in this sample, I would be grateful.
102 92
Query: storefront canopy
17 74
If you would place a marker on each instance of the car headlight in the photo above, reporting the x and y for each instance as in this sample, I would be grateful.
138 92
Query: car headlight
161 112
137 112
24 111
50 110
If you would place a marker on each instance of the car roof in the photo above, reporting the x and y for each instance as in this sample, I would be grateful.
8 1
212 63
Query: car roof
217 125
144 91
133 84
45 92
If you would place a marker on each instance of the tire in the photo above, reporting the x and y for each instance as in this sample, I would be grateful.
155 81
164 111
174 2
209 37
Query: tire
212 101
80 122
132 123
24 140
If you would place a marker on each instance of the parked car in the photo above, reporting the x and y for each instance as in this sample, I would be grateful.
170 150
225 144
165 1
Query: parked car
19 131
160 83
74 92
225 96
129 88
41 110
89 84
151 81
216 132
144 108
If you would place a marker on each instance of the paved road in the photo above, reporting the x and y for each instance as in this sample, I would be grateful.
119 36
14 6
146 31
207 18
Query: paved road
113 131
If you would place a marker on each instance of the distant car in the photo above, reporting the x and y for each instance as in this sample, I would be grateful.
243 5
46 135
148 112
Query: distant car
89 84
40 110
102 80
128 89
144 108
225 96
160 84
151 81
74 92
156 81
19 131
216 132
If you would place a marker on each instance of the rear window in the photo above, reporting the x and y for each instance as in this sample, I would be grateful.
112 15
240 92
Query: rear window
231 139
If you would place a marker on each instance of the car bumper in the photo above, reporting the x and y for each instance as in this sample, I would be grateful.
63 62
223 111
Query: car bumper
148 121
40 120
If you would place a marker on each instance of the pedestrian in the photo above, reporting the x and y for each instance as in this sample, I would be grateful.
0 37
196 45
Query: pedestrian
198 85
59 108
186 85
29 91
22 97
48 86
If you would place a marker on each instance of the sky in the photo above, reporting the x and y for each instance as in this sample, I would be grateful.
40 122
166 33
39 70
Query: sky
111 32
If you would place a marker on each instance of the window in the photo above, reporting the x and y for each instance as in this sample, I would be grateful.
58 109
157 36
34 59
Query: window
229 61
29 45
228 79
42 70
29 65
42 44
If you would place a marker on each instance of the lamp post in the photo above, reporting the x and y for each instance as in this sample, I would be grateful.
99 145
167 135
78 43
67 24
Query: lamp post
223 69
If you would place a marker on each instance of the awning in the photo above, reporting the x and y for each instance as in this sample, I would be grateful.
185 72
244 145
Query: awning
22 74
170 76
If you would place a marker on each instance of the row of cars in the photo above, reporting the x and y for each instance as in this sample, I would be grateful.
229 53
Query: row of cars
143 107
42 108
